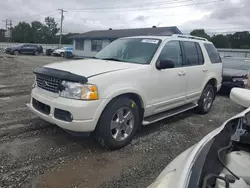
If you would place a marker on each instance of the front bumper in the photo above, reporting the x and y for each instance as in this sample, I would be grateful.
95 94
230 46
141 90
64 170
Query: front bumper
85 114
231 84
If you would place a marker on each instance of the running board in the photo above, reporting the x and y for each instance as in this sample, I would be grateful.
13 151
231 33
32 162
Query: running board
169 113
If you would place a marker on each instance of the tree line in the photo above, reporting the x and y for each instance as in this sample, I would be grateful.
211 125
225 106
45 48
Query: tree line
239 40
37 32
47 33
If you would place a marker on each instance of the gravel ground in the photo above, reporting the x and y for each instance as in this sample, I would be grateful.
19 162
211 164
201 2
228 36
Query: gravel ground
34 153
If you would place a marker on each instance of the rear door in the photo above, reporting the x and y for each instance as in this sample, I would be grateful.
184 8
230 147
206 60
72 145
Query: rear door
195 69
32 48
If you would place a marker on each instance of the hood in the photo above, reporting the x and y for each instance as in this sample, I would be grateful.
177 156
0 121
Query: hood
178 172
91 67
234 73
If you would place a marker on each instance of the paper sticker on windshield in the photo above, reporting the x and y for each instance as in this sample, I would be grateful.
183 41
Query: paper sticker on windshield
152 41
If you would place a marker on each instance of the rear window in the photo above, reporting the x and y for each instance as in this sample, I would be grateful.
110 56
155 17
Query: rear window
213 53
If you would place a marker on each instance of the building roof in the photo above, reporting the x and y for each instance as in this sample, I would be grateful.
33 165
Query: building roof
118 33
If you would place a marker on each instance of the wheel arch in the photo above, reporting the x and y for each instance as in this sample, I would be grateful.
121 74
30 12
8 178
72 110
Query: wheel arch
213 81
138 99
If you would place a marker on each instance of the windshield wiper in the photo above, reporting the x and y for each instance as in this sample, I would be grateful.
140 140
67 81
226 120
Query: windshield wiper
112 59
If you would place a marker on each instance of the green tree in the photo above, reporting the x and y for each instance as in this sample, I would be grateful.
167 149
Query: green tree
22 33
220 41
240 39
200 33
2 35
50 30
36 30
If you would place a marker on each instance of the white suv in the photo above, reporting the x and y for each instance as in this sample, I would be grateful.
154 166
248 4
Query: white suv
134 81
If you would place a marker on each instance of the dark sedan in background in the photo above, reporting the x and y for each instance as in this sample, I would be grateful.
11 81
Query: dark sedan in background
235 73
32 49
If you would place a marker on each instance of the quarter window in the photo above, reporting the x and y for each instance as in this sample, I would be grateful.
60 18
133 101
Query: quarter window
213 53
96 45
172 50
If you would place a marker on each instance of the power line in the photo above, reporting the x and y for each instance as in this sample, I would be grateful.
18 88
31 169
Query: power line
62 17
141 9
133 5
35 15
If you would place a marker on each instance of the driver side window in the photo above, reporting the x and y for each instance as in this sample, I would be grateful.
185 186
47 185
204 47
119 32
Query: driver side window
172 50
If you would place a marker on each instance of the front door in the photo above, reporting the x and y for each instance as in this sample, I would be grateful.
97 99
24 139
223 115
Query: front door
171 83
195 69
25 49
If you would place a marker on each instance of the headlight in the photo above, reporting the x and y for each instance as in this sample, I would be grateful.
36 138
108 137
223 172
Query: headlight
79 91
241 80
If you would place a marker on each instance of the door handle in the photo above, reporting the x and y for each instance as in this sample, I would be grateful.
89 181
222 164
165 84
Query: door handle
205 70
181 73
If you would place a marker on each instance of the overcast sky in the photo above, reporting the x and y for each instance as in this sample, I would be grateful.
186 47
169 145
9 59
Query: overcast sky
85 15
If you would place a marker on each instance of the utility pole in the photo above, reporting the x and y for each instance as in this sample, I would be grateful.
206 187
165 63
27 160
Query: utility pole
62 17
10 29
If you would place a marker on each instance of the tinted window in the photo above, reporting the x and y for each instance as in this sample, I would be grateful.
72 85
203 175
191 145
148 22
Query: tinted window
172 50
200 54
213 53
33 46
192 57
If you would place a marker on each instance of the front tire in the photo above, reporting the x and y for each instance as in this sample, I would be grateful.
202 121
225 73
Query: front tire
62 54
206 100
118 124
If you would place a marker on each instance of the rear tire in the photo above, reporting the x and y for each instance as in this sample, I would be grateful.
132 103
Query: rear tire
206 100
16 52
118 124
36 53
62 54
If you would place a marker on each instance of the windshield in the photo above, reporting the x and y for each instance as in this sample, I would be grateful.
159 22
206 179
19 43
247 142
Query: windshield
234 63
134 50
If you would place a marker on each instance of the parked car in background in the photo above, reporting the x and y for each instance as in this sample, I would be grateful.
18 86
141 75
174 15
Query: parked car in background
50 51
62 51
235 73
31 49
132 81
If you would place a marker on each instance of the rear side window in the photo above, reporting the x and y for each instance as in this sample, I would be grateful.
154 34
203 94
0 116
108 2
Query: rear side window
200 54
213 53
193 53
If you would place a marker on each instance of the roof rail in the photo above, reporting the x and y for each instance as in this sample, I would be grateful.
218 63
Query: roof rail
189 37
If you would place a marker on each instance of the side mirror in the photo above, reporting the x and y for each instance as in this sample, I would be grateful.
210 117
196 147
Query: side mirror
165 64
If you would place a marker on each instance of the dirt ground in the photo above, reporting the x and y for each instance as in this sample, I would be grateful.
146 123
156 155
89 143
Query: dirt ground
34 153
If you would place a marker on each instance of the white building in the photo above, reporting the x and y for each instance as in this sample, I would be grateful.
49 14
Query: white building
89 43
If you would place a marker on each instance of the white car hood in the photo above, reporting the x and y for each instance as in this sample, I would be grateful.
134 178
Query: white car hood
91 67
176 174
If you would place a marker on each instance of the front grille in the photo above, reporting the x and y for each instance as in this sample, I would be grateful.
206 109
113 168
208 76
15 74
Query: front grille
48 83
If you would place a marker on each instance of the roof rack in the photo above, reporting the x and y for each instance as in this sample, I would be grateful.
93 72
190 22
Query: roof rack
189 37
